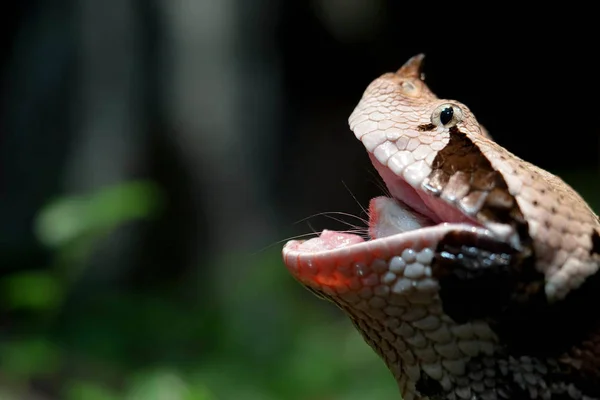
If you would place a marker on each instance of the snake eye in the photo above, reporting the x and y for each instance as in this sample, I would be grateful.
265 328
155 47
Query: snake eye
446 115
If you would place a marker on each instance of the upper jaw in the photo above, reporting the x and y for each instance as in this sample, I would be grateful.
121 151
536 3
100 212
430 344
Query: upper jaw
417 199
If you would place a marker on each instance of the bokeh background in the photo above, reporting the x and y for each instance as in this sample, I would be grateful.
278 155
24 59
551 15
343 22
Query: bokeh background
156 154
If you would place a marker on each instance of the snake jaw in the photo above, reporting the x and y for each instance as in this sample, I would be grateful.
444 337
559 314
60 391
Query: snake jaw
394 225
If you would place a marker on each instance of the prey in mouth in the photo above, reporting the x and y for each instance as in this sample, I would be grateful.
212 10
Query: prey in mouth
473 258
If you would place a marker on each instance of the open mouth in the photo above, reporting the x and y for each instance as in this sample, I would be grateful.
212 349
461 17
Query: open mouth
391 216
410 219
438 181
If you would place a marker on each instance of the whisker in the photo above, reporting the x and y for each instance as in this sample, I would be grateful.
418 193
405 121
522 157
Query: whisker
362 232
378 181
287 239
344 222
311 228
326 213
355 199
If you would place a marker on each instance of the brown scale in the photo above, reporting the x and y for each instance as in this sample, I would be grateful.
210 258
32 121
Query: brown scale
519 313
464 176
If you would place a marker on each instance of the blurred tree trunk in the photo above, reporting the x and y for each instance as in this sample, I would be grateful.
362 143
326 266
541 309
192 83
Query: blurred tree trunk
224 102
34 122
222 92
108 146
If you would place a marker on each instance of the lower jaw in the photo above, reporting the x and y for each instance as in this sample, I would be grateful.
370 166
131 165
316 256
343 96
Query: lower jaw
331 258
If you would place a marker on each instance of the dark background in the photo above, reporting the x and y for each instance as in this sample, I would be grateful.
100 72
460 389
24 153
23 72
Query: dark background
155 156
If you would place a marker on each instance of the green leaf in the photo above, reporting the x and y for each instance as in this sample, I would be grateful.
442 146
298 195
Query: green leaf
80 390
71 217
5 395
159 385
29 357
34 290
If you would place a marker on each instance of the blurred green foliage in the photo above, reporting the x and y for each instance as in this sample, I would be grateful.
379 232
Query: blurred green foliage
132 345
69 219
127 345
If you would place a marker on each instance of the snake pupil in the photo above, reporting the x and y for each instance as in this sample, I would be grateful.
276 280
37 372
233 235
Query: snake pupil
446 115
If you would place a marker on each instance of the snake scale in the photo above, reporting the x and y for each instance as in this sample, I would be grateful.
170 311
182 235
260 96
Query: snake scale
479 279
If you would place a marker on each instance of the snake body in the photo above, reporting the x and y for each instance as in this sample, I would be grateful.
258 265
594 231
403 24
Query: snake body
480 276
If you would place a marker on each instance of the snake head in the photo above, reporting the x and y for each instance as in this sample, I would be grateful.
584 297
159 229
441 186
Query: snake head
437 160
